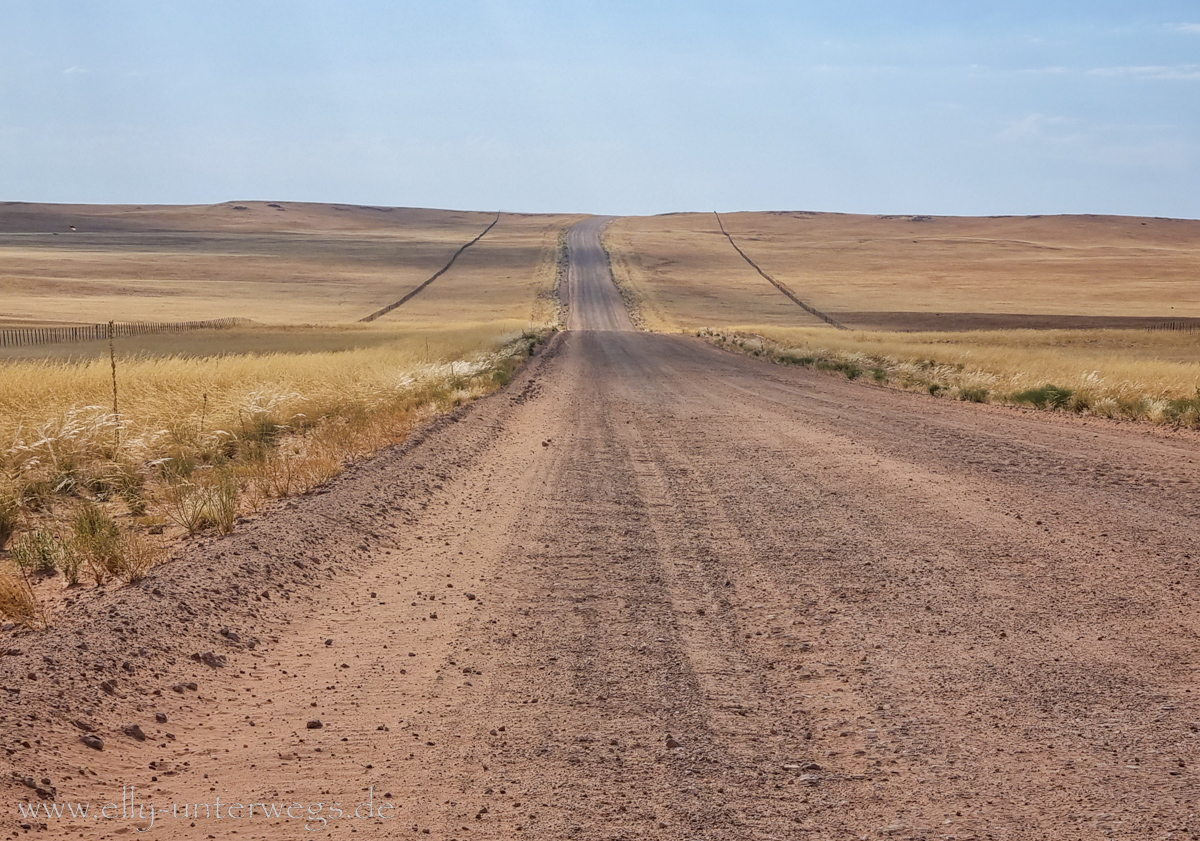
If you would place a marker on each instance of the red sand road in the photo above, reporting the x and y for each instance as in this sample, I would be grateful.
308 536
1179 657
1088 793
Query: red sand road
655 590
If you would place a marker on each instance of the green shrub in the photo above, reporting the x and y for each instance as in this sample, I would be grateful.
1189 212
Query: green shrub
70 562
130 485
1185 412
851 370
1046 397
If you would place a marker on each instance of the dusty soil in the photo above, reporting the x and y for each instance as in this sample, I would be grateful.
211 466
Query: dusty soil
654 590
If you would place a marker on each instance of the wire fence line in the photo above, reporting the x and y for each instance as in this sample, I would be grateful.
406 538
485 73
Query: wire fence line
23 336
782 287
413 293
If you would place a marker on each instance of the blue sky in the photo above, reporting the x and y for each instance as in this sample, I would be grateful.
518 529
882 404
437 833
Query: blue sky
607 106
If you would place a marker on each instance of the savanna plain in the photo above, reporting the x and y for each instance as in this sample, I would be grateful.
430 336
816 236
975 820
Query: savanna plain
491 525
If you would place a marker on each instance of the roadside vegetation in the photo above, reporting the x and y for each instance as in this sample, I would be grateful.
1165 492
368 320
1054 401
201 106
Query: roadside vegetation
1135 374
90 495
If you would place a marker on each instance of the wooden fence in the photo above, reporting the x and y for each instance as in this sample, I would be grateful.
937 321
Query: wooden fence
22 336
1177 326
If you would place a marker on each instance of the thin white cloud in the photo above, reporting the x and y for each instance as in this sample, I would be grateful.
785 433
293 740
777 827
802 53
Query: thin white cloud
1038 127
1039 71
1139 146
72 70
1191 28
1164 71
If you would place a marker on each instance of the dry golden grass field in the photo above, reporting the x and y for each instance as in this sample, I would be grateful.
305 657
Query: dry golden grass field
987 309
276 262
911 272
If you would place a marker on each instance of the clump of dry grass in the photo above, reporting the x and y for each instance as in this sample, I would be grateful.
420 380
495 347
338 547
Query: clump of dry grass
38 551
1150 376
18 601
187 506
97 538
196 506
138 555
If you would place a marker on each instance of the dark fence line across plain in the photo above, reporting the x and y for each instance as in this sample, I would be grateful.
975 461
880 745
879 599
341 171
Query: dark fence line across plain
414 292
24 336
782 287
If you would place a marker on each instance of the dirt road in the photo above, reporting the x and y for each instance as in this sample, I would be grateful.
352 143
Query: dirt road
655 590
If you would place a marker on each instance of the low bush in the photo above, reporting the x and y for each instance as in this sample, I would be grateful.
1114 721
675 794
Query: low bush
187 506
1046 397
1185 411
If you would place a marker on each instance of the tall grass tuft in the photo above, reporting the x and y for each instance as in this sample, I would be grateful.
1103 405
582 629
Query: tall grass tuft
223 501
40 552
18 601
97 538
137 556
129 483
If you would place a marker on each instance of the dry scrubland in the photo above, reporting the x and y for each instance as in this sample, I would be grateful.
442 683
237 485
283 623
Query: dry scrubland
866 269
211 424
284 264
908 272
